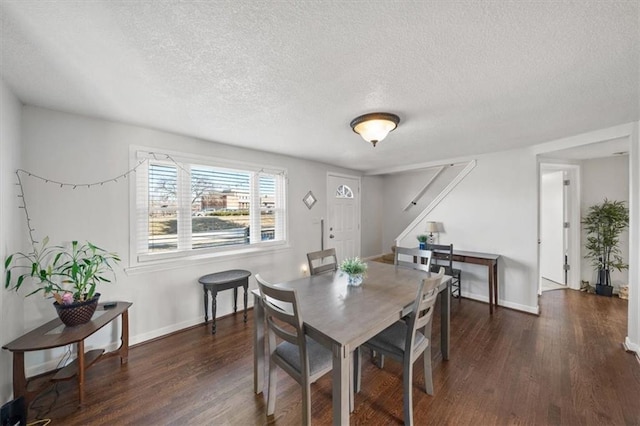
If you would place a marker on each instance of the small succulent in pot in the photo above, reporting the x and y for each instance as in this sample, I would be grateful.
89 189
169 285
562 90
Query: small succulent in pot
355 269
353 266
67 274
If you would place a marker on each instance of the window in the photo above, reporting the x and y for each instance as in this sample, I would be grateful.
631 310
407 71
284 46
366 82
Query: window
344 191
191 207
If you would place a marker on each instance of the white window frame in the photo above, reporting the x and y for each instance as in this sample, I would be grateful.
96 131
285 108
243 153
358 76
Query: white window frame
139 208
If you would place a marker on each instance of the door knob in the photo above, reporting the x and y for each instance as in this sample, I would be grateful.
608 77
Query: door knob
331 236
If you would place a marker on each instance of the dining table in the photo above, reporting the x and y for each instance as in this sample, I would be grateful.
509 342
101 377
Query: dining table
342 317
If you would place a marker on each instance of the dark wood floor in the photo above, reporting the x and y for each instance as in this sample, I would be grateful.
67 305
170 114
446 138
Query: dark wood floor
565 367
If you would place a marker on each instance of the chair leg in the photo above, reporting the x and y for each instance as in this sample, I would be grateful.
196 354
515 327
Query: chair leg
407 379
306 403
378 359
428 377
271 398
357 369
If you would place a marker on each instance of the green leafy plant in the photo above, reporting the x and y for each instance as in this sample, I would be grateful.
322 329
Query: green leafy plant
353 266
423 238
60 271
604 223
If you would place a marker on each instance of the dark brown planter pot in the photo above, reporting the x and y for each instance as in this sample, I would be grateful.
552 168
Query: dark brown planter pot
77 313
604 290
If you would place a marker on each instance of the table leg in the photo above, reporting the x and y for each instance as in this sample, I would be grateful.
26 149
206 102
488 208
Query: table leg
214 306
246 289
235 300
494 268
206 304
80 345
124 338
341 385
445 321
19 378
490 281
258 344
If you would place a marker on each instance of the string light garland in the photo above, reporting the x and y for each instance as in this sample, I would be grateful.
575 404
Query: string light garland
121 176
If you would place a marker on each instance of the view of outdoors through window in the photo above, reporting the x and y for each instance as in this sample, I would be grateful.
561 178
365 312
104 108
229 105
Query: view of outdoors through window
214 209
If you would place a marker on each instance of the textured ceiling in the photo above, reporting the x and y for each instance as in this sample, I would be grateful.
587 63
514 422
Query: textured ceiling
288 76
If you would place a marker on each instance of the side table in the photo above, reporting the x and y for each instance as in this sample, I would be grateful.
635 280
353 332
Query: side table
224 280
55 334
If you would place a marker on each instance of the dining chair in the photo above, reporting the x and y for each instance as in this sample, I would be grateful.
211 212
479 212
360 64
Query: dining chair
413 258
407 257
406 340
290 348
322 261
443 256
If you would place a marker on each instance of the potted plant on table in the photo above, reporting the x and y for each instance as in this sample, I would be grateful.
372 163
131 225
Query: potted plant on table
355 269
69 275
422 240
604 223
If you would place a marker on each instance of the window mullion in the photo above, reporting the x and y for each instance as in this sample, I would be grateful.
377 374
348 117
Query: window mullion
280 208
184 208
254 210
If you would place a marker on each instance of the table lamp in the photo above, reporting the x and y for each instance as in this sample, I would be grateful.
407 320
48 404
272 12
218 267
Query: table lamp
431 228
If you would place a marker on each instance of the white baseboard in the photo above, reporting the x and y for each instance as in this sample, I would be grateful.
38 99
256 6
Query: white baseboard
140 338
629 346
53 363
535 310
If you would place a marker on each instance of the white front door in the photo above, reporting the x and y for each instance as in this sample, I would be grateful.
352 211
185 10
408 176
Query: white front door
343 212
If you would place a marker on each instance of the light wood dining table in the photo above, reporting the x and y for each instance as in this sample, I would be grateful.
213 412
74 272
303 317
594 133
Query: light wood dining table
343 317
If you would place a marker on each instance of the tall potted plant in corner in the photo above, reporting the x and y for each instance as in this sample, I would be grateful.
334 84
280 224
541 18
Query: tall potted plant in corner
604 223
70 275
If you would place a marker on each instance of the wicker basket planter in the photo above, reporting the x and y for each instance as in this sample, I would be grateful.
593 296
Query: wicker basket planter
78 312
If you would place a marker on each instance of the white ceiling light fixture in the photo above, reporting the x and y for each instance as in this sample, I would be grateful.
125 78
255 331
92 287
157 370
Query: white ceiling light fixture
376 126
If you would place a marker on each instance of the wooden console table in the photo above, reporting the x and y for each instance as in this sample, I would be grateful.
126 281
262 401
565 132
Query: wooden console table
487 259
55 334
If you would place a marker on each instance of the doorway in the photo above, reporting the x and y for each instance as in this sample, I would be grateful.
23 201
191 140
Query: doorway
559 234
343 213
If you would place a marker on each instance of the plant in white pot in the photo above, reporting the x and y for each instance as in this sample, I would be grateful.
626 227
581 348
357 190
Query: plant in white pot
69 274
604 223
355 269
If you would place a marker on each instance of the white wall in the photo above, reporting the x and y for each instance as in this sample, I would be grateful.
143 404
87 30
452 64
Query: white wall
72 148
605 178
400 189
494 210
372 203
10 222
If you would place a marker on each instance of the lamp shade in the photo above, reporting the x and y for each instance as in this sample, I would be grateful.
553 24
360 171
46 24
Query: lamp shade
432 227
375 127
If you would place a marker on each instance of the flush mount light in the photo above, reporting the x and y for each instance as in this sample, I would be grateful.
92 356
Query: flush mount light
375 126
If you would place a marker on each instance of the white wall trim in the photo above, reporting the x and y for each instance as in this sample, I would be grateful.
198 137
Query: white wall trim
470 166
573 280
535 310
602 135
420 166
631 347
633 323
420 193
